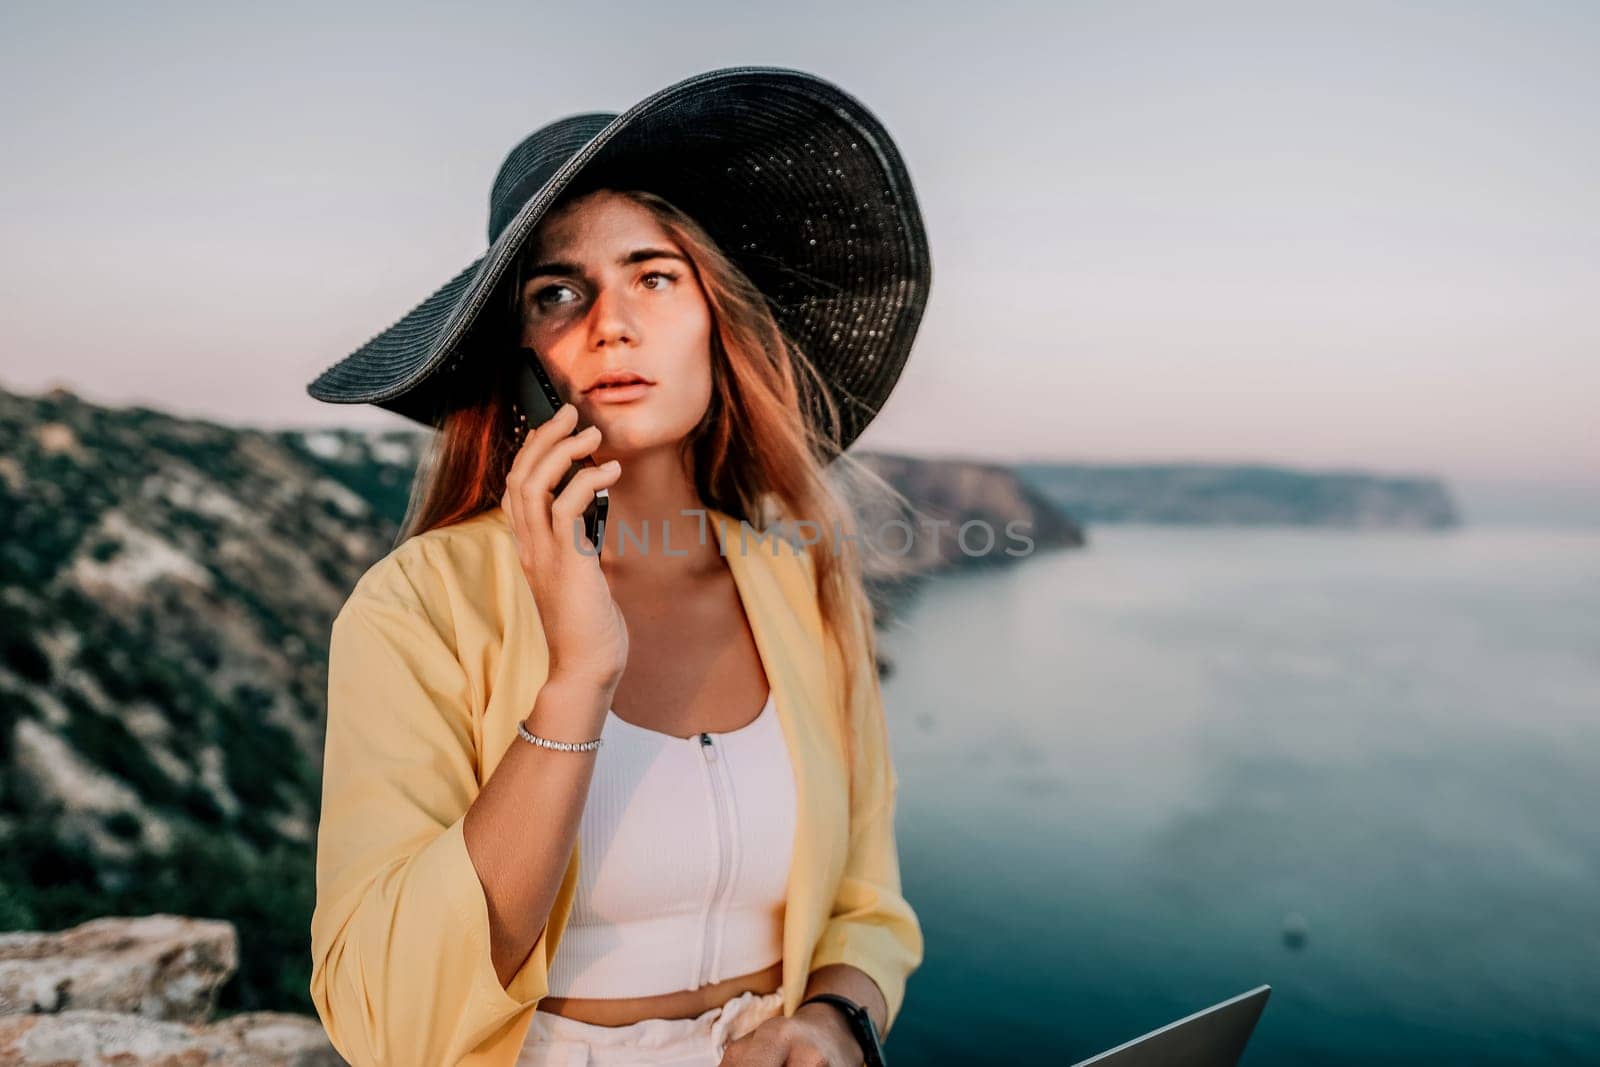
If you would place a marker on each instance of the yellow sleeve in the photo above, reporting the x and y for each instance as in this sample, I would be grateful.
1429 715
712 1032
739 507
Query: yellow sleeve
401 971
872 927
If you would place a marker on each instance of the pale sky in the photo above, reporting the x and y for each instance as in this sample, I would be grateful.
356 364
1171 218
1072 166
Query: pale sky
1340 235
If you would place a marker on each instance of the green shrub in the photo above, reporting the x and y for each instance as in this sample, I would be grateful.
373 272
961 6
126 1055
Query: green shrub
124 825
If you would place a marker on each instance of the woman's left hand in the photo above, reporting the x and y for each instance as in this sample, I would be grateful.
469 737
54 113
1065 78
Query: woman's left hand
816 1035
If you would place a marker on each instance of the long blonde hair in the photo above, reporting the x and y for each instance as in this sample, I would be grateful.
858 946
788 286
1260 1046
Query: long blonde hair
757 456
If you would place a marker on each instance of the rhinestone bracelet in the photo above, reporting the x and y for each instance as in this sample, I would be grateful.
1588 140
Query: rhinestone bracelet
560 746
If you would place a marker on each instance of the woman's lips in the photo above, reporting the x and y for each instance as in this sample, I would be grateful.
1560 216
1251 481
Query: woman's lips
618 394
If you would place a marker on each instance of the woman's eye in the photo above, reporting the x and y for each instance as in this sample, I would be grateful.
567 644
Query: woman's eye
663 275
549 296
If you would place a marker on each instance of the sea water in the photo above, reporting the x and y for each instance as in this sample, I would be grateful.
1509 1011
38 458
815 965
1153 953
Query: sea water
1362 767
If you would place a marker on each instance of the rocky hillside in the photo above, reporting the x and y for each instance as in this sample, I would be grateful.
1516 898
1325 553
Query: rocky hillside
166 591
1213 494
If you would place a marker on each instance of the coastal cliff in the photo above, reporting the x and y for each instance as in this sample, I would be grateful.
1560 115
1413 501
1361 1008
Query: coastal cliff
1244 495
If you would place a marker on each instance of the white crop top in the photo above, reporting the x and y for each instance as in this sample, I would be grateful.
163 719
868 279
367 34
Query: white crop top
684 848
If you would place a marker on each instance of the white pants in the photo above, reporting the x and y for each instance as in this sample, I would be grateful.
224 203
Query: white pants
556 1041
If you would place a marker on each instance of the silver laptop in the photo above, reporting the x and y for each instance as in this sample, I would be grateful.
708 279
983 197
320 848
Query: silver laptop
1214 1037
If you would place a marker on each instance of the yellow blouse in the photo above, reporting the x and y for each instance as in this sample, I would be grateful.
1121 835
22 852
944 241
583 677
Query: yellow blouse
433 660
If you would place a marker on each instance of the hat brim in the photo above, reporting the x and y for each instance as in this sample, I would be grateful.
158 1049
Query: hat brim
797 182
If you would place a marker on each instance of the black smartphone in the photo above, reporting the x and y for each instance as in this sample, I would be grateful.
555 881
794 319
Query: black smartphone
540 401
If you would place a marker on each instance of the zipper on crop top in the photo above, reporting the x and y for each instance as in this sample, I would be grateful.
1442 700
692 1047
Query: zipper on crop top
708 749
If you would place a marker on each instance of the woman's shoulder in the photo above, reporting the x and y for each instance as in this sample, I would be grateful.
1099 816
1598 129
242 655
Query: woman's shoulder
434 566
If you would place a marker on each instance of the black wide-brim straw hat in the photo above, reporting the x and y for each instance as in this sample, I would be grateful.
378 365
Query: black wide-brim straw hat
797 182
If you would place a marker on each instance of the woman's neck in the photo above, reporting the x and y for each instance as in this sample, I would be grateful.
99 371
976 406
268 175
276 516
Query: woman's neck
655 520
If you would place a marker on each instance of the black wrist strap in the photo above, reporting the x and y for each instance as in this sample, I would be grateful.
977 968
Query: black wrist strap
862 1028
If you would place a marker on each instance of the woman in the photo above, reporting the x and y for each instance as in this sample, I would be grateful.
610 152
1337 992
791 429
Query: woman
633 806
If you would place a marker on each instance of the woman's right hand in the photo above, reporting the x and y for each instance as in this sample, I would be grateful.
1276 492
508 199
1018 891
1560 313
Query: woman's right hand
583 625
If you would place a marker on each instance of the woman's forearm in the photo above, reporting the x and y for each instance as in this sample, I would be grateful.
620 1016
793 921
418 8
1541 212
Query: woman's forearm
521 828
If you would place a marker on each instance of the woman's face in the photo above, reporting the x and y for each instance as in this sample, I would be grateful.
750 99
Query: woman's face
609 292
